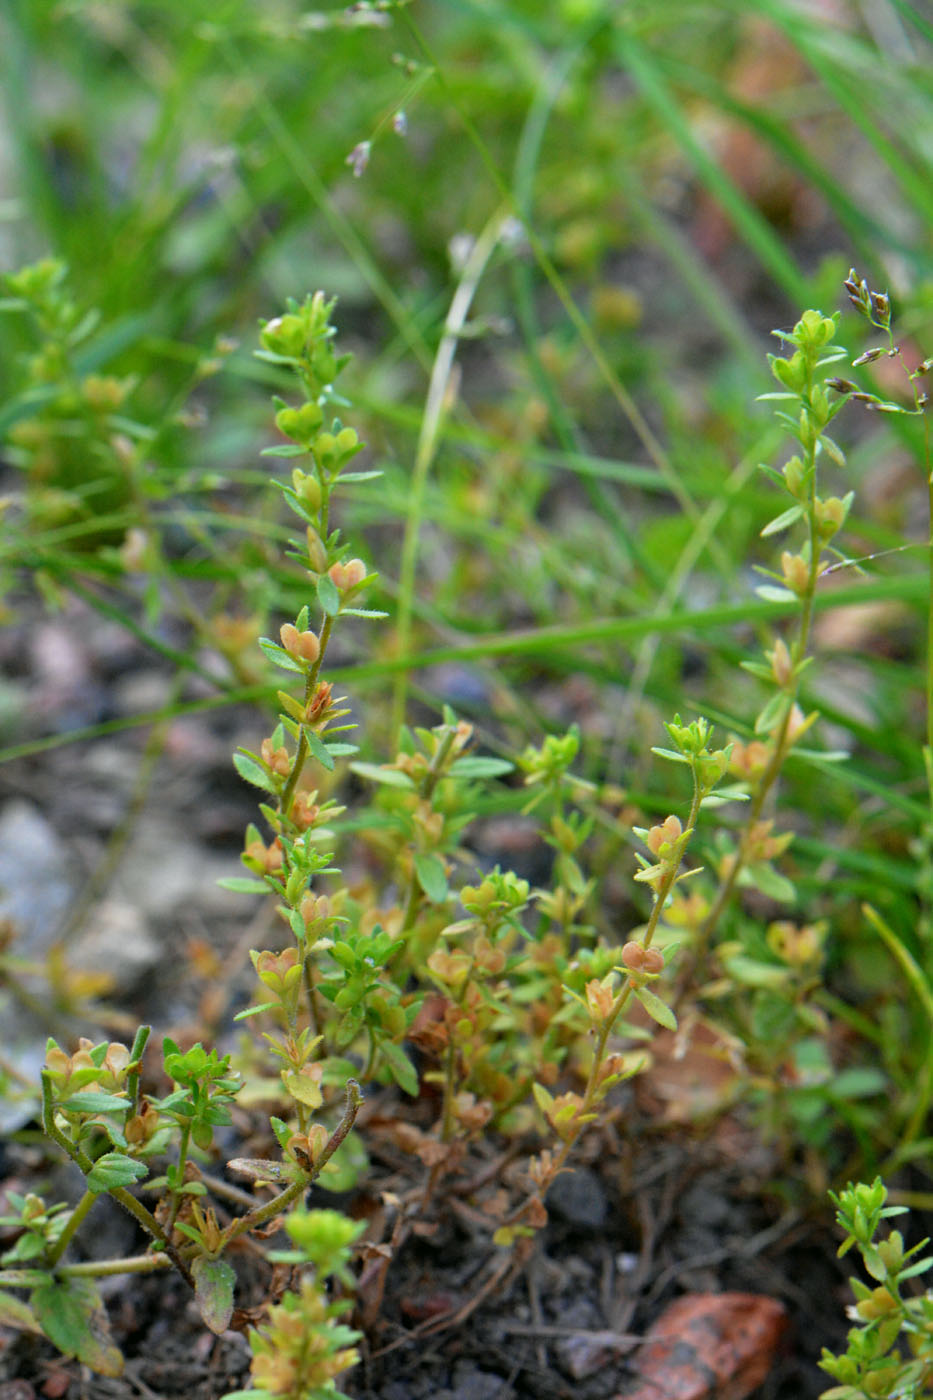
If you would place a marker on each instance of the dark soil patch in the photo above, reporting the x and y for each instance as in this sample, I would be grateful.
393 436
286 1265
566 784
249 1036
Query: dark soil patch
629 1232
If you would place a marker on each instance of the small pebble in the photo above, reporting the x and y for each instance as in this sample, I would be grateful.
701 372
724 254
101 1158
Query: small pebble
472 1384
578 1197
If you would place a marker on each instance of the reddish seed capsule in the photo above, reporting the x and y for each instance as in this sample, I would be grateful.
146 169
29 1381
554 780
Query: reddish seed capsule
633 956
654 960
303 645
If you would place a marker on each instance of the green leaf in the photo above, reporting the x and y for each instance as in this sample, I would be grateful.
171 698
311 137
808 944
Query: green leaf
285 450
15 1312
833 449
657 1009
772 594
254 1010
319 749
241 884
306 1091
543 1098
114 1169
480 767
781 522
249 769
732 792
749 972
347 1165
328 595
279 656
363 612
28 1246
772 713
765 879
671 754
922 1266
214 1281
304 511
73 1318
271 358
292 706
400 1067
758 668
23 1278
859 1083
389 777
359 476
94 1101
432 877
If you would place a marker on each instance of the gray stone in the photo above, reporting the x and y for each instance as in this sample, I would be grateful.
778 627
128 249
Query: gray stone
36 890
578 1197
116 940
472 1384
165 869
36 885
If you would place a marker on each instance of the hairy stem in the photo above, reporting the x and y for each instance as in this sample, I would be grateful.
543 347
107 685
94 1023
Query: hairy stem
262 1214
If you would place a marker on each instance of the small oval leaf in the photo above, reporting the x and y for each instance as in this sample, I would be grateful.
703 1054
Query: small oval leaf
16 1313
113 1170
432 877
656 1008
389 777
73 1318
400 1067
253 773
328 595
319 749
214 1281
480 766
94 1101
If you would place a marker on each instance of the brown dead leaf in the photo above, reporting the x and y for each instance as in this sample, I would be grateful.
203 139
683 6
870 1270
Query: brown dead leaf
710 1346
430 1305
695 1073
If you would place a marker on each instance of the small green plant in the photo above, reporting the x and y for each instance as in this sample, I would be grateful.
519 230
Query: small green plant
439 973
509 1013
93 450
513 997
93 1107
890 1350
809 401
500 1012
303 1347
73 441
764 982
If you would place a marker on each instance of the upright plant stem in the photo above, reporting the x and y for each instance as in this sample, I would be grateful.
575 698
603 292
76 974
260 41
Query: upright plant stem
123 1197
302 751
770 776
75 1220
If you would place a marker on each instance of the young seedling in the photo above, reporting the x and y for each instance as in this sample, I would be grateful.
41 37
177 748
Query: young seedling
890 1350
